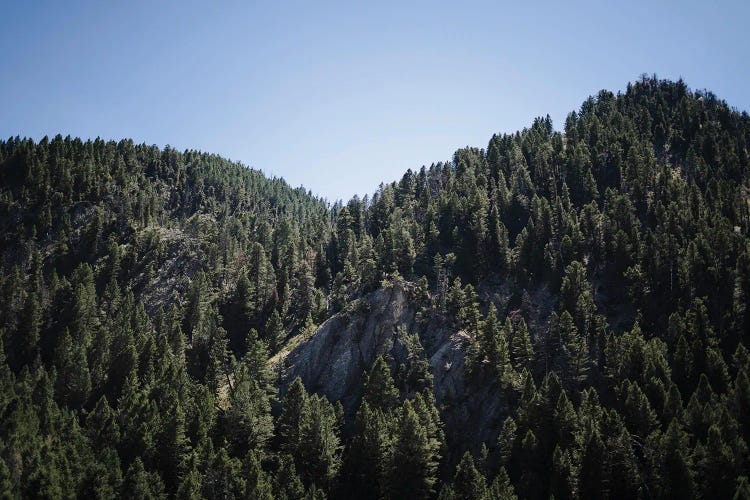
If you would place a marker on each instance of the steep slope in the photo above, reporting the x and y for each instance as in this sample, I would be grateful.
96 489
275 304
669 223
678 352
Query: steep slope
409 330
569 307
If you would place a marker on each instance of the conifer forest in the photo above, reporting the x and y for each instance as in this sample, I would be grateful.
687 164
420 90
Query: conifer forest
563 313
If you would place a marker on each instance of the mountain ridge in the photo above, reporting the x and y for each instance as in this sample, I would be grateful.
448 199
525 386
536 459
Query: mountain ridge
589 284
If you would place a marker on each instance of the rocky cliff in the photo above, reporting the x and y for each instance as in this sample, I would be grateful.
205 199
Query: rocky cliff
334 360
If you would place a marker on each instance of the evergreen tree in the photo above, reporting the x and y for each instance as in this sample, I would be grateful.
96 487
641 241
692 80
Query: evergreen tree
224 477
248 417
369 454
74 381
521 348
102 427
673 463
414 466
274 331
258 484
288 484
289 424
85 320
190 485
468 483
379 389
141 484
506 441
716 463
320 445
501 487
23 345
137 419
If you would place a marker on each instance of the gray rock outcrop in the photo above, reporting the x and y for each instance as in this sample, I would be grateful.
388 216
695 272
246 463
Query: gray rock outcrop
334 360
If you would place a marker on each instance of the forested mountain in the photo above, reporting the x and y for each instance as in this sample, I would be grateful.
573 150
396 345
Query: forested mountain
563 313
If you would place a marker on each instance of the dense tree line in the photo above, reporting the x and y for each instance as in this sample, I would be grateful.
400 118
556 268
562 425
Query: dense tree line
143 291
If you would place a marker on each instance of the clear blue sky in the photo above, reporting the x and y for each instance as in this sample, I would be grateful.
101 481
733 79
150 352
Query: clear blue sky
336 96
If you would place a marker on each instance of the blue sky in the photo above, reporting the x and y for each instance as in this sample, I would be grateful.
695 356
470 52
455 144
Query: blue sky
340 96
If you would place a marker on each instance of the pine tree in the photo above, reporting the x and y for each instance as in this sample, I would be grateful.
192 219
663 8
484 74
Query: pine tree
137 419
104 476
190 483
258 484
469 316
196 303
506 441
494 345
564 421
102 427
379 389
414 467
85 319
640 418
574 360
369 454
592 460
424 406
574 285
24 342
140 484
530 483
739 399
248 418
683 365
241 314
172 446
521 348
274 331
320 449
73 382
562 479
673 464
100 359
623 477
468 483
217 371
288 485
123 352
501 487
289 424
45 479
715 462
672 406
224 477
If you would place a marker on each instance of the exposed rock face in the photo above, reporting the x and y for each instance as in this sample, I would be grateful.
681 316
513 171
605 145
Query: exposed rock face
334 360
169 259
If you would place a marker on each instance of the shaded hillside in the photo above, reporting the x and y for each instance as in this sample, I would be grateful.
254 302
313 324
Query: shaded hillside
562 313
